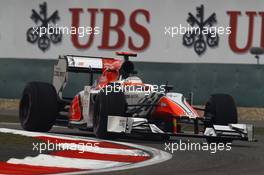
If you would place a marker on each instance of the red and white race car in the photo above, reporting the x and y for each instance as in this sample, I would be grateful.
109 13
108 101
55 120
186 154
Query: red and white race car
117 102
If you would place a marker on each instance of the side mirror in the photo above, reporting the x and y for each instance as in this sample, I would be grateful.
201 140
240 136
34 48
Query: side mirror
257 51
168 88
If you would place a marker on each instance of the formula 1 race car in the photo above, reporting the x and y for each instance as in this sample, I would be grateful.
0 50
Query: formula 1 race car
117 102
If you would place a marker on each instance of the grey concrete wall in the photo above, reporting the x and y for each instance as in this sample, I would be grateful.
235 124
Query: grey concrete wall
244 82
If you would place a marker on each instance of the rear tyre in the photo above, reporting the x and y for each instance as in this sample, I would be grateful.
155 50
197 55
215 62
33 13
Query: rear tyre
220 110
38 107
111 104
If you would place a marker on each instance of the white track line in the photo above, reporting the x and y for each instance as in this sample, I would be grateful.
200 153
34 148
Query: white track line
18 124
53 135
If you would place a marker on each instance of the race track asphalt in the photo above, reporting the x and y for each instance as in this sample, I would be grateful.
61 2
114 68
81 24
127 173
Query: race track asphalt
243 158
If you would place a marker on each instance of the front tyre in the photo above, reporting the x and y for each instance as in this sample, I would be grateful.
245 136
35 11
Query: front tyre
220 110
38 107
107 104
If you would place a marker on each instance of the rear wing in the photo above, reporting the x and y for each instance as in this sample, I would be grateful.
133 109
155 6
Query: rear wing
84 64
74 63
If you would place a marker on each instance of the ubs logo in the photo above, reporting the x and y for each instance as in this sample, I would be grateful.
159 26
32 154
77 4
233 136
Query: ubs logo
42 20
201 33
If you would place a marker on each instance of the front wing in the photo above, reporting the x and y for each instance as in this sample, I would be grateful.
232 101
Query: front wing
127 125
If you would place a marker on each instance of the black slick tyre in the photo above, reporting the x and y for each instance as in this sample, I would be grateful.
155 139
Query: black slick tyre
112 103
38 107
